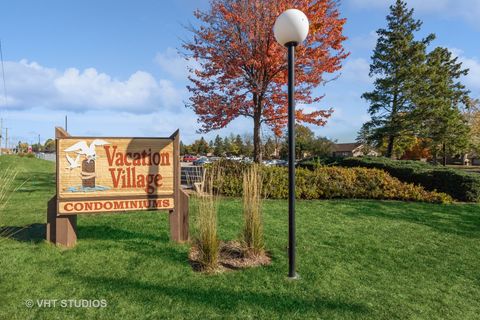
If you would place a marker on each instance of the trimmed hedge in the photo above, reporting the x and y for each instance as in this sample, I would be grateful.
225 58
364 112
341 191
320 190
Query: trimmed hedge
460 185
314 162
326 183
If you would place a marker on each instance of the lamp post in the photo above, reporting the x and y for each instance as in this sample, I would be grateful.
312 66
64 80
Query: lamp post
290 29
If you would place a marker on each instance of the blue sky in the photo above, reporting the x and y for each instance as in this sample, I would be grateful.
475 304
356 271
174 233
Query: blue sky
113 68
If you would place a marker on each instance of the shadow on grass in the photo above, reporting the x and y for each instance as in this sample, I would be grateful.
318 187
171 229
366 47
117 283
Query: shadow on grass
31 233
460 220
102 232
145 244
223 299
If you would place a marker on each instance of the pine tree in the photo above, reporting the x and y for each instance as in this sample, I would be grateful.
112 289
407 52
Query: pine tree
239 145
211 146
438 105
218 149
202 146
232 148
269 148
397 63
248 145
182 148
227 145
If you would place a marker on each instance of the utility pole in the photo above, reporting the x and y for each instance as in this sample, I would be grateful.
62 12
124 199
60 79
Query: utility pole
66 123
38 143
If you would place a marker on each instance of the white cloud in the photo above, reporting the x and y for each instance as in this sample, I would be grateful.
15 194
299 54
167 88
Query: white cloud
469 10
356 70
31 85
472 80
174 64
362 42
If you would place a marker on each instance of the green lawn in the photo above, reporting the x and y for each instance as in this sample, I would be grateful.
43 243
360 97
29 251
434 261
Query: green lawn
356 259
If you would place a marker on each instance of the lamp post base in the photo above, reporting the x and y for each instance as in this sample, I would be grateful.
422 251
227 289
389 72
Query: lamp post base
294 278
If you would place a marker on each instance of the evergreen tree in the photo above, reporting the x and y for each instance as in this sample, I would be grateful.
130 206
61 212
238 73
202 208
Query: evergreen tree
202 146
239 145
218 149
438 105
248 145
398 64
232 146
211 146
227 145
182 148
269 148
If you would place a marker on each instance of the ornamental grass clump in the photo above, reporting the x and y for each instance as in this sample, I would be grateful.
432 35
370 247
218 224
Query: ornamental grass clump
206 244
7 188
252 211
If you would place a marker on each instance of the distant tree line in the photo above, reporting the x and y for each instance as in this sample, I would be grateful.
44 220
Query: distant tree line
307 144
233 145
48 146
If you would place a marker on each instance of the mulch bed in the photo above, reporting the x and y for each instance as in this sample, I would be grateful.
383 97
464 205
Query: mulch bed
233 256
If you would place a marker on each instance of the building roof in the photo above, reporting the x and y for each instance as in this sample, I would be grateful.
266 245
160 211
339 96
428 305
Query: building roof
345 147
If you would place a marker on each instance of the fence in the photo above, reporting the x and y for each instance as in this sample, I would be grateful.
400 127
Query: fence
46 156
192 176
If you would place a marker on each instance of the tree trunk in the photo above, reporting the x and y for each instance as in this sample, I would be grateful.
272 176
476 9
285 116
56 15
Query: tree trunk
391 137
391 141
444 149
257 141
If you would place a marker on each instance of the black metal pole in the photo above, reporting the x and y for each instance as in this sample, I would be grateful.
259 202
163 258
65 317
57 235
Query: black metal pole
291 160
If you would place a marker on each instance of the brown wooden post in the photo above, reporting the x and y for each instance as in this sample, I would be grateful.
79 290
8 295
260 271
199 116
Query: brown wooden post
51 232
66 234
179 216
184 210
61 230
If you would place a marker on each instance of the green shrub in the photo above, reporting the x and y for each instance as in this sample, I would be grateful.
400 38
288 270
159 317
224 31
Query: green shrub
315 162
458 184
327 183
28 155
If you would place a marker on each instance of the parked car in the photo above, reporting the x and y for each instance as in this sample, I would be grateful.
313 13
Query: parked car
189 158
247 160
201 161
282 163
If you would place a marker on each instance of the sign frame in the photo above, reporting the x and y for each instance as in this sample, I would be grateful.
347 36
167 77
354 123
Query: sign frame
62 226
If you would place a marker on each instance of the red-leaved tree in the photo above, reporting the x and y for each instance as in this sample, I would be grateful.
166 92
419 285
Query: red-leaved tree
243 70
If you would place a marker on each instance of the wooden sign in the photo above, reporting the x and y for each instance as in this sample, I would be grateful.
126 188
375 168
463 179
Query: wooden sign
109 174
116 169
